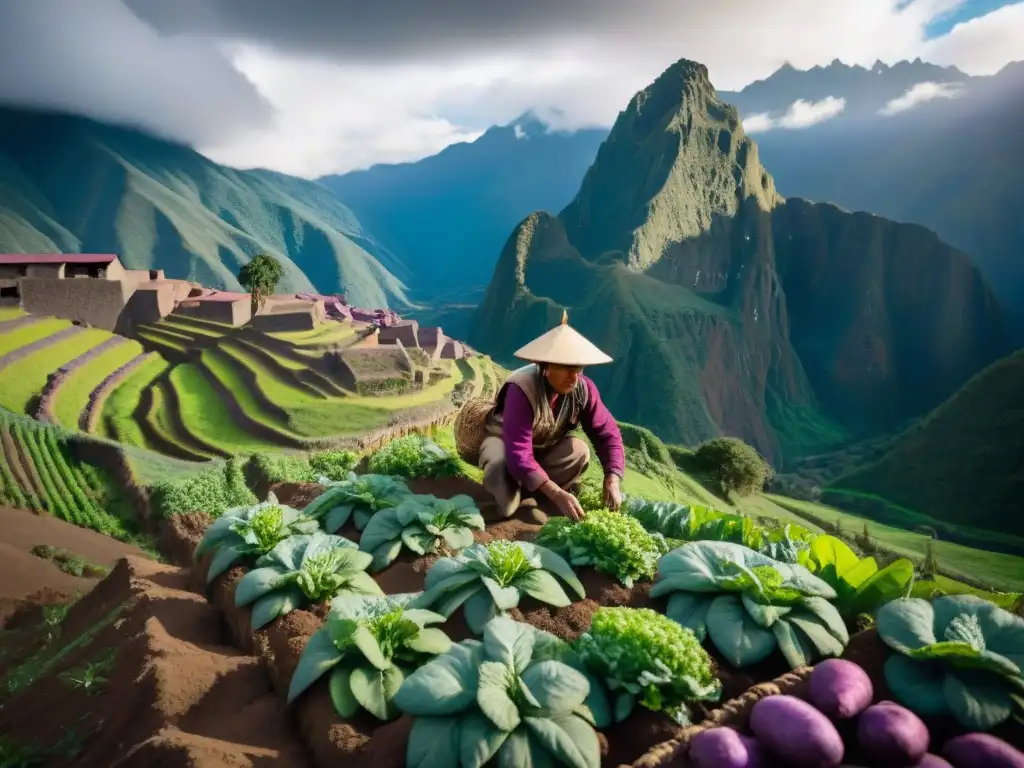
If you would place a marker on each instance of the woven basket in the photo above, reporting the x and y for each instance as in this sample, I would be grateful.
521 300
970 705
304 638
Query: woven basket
735 713
469 427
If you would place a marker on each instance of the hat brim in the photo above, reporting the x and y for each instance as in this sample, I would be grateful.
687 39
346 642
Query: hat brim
563 345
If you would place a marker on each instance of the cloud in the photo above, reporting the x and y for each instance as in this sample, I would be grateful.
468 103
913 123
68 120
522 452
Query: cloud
919 94
801 114
98 59
350 83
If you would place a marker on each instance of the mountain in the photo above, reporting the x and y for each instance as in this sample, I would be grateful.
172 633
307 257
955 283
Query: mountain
729 309
964 463
448 215
69 184
945 163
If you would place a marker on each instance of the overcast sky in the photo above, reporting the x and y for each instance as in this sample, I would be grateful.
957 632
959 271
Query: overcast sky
312 87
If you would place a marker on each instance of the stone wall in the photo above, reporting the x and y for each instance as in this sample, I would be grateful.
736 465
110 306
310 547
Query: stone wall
96 302
45 270
150 303
230 312
280 322
406 332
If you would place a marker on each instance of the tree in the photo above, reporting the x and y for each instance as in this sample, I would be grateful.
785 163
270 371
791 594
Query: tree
260 277
732 465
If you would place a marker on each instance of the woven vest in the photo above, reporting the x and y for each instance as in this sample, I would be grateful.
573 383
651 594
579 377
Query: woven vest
548 427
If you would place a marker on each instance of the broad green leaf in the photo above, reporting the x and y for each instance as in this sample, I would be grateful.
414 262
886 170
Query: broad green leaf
219 531
385 554
445 685
505 598
763 615
832 555
421 616
383 527
625 703
690 610
341 631
542 586
493 695
883 586
362 518
433 742
978 699
570 740
429 640
451 601
598 702
1002 630
479 740
256 583
906 624
824 642
520 751
335 520
223 560
737 636
367 644
478 610
340 688
510 642
795 646
319 656
361 583
416 540
918 685
829 617
457 538
274 605
558 688
448 573
375 689
853 578
556 564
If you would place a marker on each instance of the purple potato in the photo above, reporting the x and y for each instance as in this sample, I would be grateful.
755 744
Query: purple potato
724 748
792 730
840 688
931 761
982 750
892 735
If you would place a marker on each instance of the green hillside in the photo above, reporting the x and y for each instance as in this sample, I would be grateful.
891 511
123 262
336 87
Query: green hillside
68 184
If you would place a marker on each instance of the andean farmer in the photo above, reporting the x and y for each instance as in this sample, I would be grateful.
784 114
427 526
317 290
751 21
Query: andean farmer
528 449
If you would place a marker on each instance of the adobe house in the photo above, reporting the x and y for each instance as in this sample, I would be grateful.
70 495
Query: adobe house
406 332
229 307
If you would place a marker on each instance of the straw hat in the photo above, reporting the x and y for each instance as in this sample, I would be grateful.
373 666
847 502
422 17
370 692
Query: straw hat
563 345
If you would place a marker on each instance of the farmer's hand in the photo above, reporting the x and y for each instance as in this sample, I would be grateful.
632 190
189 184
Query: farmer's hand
569 506
612 493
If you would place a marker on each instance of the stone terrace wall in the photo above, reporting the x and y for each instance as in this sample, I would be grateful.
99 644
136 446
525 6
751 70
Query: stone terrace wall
96 302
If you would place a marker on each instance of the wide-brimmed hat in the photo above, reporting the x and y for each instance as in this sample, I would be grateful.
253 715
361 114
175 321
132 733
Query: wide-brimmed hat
563 345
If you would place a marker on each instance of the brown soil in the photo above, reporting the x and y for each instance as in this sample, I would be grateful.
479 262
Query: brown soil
174 694
297 495
181 534
406 574
13 456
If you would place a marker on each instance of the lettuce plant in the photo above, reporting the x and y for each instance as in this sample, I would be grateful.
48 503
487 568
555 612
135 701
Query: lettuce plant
492 579
508 698
861 587
369 646
358 497
609 542
959 655
304 570
697 523
247 533
424 525
749 604
642 657
413 456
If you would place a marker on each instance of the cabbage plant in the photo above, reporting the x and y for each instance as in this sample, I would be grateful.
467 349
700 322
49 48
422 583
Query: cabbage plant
357 498
958 655
491 579
861 587
642 657
368 646
749 604
424 525
247 533
508 698
609 542
304 570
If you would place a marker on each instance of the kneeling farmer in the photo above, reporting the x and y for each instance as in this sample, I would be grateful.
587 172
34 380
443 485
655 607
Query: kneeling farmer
527 445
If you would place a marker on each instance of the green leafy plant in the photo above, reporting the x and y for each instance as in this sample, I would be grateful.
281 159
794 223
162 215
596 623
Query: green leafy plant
508 698
642 657
369 645
732 465
304 570
673 520
491 579
251 532
958 655
213 491
260 277
608 541
861 587
414 456
750 605
424 525
335 465
357 497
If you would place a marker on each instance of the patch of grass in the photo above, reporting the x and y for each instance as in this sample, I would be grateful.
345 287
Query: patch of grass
206 417
802 429
20 337
73 395
69 562
10 312
212 490
22 381
222 370
91 677
118 418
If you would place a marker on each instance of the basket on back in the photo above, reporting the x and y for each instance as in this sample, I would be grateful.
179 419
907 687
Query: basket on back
470 427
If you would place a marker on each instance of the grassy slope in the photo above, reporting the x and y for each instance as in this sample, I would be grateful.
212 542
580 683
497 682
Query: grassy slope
70 184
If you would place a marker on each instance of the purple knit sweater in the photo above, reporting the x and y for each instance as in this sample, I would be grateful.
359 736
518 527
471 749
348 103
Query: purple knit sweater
517 432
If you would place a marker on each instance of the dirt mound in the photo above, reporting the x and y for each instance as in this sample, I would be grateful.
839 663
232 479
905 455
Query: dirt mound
141 675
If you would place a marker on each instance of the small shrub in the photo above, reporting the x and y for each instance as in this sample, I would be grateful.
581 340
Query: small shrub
212 491
335 465
282 468
413 456
733 466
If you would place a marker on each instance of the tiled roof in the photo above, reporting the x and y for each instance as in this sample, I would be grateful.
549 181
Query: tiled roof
57 258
